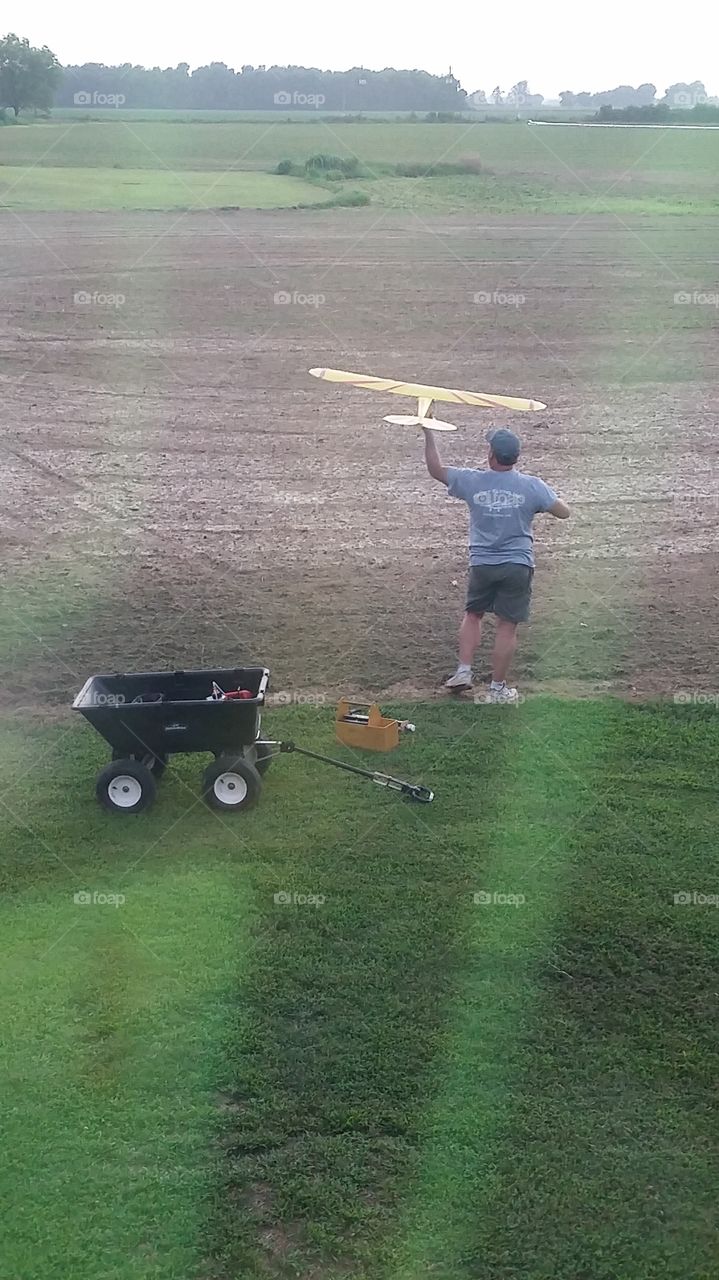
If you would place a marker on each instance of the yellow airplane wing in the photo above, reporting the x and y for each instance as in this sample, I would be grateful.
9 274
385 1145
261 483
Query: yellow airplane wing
484 401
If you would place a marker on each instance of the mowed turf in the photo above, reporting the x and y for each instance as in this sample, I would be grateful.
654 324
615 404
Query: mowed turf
169 163
101 188
394 1080
261 144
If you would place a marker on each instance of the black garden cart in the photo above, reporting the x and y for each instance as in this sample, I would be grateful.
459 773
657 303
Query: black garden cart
147 717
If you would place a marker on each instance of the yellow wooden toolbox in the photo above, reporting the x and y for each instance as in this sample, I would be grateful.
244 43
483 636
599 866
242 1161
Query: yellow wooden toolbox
370 730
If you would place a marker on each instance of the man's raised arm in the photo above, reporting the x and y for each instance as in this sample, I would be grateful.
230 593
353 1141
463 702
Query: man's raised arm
432 458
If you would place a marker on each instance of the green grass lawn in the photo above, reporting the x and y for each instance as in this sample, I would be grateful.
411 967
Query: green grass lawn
104 188
398 1082
262 143
167 163
529 194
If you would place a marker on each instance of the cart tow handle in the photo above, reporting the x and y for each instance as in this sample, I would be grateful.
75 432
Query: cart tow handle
412 790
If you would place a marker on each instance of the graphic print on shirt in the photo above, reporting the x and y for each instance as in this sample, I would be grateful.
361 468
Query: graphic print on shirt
498 502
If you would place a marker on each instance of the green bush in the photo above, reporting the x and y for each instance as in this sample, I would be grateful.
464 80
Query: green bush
348 167
351 199
423 169
324 161
284 166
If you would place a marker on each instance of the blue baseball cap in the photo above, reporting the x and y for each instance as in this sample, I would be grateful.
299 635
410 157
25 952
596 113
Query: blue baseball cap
505 445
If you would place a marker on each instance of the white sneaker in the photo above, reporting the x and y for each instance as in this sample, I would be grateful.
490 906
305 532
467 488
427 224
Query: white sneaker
460 681
505 696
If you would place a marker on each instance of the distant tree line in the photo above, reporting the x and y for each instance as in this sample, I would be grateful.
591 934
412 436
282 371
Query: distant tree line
660 113
32 78
219 87
680 95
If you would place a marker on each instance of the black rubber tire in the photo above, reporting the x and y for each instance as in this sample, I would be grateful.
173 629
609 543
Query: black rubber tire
237 793
263 757
132 770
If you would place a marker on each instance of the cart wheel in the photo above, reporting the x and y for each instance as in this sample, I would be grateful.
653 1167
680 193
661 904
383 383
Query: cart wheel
263 757
231 783
125 786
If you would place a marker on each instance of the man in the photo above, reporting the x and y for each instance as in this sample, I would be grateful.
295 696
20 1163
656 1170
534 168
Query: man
502 505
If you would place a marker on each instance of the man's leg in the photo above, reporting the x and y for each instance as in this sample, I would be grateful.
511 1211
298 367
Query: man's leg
480 597
511 607
470 634
505 643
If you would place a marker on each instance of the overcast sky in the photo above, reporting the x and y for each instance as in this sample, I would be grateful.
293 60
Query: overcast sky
558 44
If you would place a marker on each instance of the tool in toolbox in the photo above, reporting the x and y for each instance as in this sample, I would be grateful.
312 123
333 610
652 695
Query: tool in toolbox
370 732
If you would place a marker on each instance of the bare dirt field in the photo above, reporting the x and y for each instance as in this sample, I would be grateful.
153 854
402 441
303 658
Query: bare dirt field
177 490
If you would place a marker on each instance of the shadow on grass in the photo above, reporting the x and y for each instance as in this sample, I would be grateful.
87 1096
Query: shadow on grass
596 1156
342 1018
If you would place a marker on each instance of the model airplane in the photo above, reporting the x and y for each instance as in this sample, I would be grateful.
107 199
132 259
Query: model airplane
425 396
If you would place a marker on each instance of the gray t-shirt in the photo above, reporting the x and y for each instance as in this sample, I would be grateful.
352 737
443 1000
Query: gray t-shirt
502 505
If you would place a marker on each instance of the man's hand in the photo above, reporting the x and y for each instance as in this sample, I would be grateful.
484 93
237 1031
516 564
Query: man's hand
432 458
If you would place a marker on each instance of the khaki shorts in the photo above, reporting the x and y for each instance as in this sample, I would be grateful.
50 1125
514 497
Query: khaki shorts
504 589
